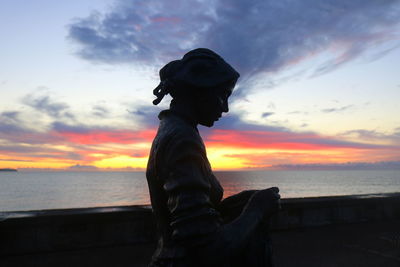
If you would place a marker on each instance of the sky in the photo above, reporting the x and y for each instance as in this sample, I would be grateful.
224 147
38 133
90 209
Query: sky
319 85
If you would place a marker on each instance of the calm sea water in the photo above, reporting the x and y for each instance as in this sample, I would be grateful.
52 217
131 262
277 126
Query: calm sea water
55 190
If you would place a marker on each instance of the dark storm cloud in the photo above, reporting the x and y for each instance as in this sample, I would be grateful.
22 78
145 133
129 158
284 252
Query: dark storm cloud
254 36
45 104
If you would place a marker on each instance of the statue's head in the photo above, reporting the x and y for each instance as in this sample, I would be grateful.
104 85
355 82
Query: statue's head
201 78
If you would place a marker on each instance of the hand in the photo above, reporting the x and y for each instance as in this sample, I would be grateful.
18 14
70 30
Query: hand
276 195
269 199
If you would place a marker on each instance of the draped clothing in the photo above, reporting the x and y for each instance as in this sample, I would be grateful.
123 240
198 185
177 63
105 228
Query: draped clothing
194 225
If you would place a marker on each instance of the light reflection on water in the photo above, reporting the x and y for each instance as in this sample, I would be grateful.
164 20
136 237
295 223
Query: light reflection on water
313 183
54 190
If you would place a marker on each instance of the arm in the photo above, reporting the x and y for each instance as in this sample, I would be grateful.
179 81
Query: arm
232 206
260 206
232 238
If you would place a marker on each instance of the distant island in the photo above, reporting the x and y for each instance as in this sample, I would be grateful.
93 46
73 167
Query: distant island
8 170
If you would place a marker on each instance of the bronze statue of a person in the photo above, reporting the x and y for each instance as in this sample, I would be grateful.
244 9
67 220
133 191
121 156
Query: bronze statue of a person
195 226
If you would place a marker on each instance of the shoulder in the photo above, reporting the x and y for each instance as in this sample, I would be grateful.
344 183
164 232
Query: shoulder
176 139
175 129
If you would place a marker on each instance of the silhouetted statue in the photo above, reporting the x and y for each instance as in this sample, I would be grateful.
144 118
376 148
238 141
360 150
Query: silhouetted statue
196 228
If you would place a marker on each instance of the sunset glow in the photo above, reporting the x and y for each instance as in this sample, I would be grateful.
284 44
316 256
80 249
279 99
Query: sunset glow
79 97
226 149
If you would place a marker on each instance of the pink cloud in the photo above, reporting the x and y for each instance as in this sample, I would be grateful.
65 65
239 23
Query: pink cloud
281 140
93 137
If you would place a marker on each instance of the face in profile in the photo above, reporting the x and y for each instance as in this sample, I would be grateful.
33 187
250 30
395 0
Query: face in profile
212 105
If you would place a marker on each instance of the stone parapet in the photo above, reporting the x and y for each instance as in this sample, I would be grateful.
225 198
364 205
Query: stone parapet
28 232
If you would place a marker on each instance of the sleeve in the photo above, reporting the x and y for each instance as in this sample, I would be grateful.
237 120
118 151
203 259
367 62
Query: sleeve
193 217
232 206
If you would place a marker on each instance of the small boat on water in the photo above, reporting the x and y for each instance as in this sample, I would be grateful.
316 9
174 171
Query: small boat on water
8 170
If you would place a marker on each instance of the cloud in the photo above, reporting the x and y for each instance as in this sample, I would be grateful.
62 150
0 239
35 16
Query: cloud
26 149
256 37
100 111
35 151
9 116
233 121
59 132
267 114
232 131
362 133
16 160
79 167
374 136
381 165
340 109
145 115
140 31
16 132
297 112
62 139
81 134
70 142
45 104
87 144
283 141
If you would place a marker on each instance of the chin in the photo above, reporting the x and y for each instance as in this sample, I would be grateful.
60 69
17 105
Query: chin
207 123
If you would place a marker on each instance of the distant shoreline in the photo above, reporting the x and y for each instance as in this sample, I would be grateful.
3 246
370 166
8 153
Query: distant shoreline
8 170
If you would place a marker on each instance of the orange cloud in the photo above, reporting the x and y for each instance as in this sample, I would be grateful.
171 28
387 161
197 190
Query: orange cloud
226 149
280 140
229 149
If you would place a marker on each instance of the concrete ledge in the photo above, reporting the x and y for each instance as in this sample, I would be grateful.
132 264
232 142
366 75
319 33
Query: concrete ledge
74 229
317 211
70 229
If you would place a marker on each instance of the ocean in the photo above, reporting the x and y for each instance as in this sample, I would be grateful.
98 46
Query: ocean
59 190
